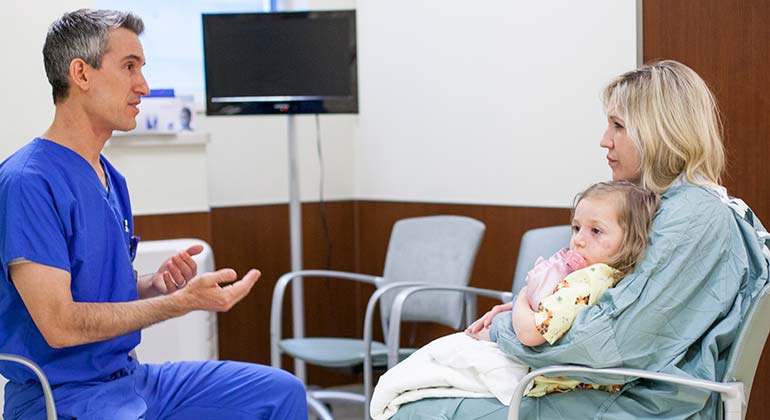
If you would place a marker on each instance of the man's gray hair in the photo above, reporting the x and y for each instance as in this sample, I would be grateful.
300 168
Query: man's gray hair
81 34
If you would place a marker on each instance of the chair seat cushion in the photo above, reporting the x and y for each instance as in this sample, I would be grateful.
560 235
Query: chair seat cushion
336 352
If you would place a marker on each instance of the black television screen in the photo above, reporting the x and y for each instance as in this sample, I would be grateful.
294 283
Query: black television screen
274 63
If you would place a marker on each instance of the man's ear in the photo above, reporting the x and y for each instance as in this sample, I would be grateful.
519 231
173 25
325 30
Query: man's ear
80 73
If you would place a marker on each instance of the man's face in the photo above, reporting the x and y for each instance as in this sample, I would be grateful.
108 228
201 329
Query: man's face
116 87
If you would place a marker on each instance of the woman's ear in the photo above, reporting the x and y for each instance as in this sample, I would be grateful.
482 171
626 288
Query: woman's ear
79 73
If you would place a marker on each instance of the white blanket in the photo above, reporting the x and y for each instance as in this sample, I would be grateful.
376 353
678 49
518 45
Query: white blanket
451 366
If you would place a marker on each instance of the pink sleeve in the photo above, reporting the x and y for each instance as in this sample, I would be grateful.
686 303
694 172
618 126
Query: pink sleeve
546 275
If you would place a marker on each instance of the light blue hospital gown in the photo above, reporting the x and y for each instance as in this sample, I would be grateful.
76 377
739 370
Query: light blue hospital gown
676 313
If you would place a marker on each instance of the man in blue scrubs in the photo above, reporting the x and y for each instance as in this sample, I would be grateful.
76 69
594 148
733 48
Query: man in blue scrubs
69 298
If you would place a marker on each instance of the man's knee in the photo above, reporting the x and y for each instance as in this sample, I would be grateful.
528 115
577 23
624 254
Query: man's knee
288 383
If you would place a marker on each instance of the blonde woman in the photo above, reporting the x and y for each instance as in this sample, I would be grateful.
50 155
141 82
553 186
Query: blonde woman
679 310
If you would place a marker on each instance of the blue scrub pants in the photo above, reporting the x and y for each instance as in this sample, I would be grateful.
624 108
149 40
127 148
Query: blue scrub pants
171 391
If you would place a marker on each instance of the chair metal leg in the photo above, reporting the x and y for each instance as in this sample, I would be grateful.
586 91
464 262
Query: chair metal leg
327 395
734 402
318 409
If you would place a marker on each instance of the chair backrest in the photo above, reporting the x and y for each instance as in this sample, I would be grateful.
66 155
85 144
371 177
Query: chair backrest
432 249
540 242
747 349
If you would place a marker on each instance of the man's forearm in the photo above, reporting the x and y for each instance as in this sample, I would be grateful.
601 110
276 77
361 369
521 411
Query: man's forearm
84 322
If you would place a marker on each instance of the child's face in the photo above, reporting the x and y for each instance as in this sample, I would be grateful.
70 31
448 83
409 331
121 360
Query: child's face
596 233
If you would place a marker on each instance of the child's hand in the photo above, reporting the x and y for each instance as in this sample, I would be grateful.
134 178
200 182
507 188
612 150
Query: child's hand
482 335
486 320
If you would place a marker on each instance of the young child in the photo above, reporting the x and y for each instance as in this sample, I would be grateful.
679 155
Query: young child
610 225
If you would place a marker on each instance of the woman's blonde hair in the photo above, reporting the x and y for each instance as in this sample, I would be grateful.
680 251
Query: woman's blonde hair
673 121
636 208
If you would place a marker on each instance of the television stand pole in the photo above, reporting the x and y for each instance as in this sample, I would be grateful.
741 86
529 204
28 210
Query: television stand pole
295 235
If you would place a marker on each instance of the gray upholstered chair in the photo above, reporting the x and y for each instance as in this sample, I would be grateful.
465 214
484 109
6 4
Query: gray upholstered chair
50 407
422 250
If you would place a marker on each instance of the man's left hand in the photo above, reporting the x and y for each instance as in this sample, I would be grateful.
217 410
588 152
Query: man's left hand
173 274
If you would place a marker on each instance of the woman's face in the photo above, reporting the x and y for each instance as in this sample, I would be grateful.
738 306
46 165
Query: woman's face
622 156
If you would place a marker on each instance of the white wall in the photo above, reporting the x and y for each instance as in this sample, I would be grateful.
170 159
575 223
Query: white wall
493 102
26 108
248 158
486 102
167 174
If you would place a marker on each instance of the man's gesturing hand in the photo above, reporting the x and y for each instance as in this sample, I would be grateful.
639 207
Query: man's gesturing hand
206 291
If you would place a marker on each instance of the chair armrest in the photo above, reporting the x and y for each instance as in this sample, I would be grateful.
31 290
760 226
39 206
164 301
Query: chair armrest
394 330
368 320
276 309
392 339
732 393
50 407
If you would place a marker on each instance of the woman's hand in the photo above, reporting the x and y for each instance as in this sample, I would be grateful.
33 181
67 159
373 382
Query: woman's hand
486 320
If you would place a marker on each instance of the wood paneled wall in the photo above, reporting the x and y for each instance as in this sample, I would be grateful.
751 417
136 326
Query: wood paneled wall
726 42
258 236
168 226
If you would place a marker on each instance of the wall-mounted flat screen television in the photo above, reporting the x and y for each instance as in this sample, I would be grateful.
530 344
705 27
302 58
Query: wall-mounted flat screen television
280 63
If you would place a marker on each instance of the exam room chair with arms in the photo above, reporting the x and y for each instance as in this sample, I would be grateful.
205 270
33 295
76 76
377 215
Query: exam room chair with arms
421 250
734 389
539 242
50 407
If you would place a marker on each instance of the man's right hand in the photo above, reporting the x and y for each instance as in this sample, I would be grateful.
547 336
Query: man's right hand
205 291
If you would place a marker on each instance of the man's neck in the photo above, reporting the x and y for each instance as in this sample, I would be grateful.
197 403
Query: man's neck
73 130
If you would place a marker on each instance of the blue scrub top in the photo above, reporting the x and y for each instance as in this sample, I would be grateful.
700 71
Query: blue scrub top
55 211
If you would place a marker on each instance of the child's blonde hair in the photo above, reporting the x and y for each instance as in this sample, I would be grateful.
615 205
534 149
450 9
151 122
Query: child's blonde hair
636 208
